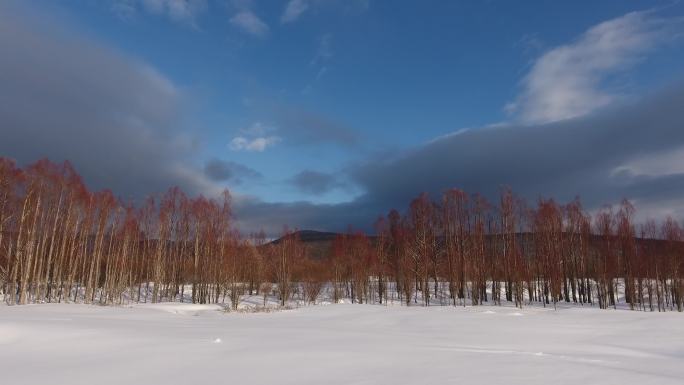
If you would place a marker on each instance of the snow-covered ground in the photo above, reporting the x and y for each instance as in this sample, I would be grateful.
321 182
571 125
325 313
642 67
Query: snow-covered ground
174 343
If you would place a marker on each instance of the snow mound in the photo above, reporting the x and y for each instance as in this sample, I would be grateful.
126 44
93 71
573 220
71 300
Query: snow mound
180 308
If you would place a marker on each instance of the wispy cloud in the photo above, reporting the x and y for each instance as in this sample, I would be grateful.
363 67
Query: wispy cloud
246 20
255 138
259 144
257 129
293 10
319 62
184 11
324 50
570 80
124 9
530 44
250 23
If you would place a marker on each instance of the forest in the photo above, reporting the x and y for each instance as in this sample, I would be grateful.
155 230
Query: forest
61 242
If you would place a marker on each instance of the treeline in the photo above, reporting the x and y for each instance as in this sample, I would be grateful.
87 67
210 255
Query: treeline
61 242
469 251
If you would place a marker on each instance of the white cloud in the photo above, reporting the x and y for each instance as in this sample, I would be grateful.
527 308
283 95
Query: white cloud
259 144
256 129
660 163
185 11
250 23
293 10
569 80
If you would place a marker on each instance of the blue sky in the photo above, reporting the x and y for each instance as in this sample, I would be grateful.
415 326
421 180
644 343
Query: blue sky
288 101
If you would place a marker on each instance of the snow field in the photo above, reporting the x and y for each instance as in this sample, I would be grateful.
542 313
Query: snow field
175 343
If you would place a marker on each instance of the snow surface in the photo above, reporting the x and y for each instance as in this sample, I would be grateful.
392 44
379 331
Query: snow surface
173 343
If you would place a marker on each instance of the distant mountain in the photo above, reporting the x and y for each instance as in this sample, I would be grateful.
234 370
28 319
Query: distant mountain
318 243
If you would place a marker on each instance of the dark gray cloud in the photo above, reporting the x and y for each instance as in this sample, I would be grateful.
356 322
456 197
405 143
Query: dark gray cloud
314 182
635 152
65 97
228 171
596 157
296 124
299 125
253 214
